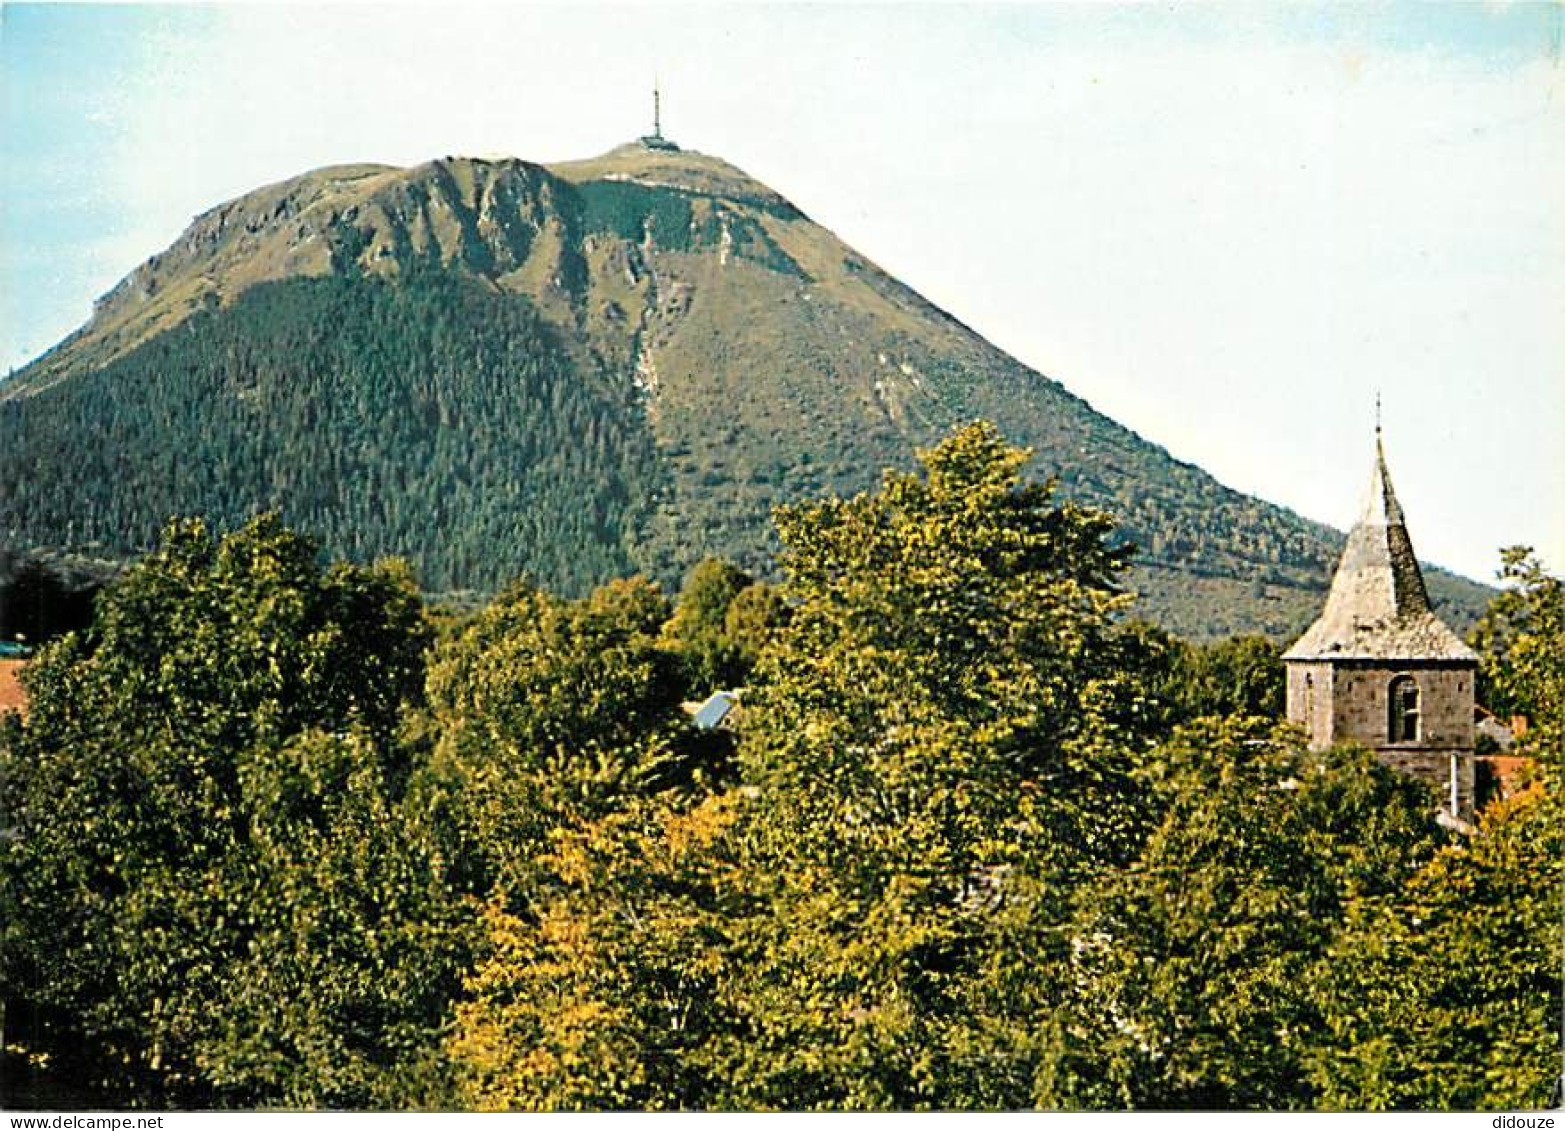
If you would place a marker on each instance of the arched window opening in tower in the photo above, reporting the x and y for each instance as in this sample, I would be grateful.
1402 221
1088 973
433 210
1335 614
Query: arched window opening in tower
1403 703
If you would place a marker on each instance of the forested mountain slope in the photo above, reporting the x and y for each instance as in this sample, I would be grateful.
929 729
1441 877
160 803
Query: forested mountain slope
494 368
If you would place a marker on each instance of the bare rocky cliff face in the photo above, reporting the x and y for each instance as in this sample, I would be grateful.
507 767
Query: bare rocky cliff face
769 361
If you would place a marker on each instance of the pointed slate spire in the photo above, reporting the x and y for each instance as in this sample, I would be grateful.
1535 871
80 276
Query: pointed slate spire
1378 607
1379 570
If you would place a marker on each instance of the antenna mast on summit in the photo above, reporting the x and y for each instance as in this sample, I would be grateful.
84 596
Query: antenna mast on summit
655 139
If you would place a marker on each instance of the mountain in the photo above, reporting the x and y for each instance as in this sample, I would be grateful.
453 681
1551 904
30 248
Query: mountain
494 367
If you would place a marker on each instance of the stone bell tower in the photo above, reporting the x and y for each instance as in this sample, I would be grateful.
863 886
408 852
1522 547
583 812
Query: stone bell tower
1378 667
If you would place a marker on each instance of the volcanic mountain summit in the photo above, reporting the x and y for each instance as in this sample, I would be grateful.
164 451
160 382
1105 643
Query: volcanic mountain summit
496 368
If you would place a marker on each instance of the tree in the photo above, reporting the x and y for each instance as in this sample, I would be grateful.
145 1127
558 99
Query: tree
546 712
697 628
962 588
586 800
1242 675
547 677
721 622
1521 647
601 993
1446 993
1195 973
196 770
927 742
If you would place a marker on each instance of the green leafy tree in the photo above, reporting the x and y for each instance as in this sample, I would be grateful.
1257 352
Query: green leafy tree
1242 675
698 628
1521 647
926 743
601 992
1154 664
1446 993
754 616
354 940
194 771
1180 682
546 712
720 624
1194 973
546 678
582 794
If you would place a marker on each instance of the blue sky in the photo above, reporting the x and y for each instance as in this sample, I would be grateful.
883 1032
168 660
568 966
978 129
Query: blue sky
1225 226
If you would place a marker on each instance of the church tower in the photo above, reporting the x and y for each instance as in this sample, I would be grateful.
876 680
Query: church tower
1378 667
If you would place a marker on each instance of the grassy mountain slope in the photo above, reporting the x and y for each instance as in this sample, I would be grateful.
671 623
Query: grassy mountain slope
494 367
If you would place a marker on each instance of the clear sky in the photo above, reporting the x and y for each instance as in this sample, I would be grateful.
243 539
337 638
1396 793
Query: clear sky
1226 226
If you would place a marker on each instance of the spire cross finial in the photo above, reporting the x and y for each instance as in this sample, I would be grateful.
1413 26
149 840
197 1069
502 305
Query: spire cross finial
1377 412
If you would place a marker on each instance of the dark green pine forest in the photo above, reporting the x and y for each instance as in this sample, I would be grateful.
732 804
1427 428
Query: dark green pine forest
434 416
279 832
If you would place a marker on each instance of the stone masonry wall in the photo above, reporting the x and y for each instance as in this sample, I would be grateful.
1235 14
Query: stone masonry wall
1348 701
1309 700
1434 767
1361 705
1362 714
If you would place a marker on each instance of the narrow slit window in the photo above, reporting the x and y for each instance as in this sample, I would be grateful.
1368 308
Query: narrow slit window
1404 710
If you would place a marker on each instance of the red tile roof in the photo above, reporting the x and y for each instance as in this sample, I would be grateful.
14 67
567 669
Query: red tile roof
12 697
